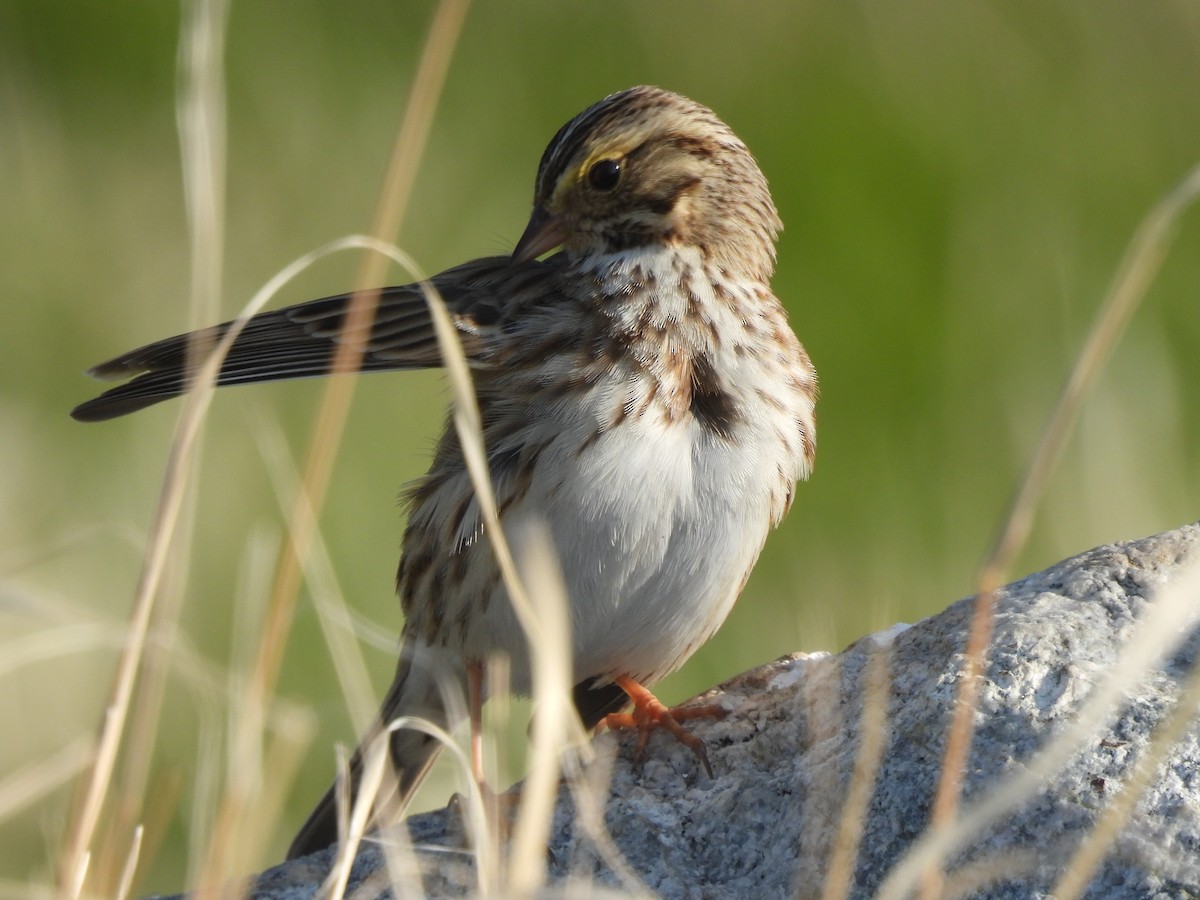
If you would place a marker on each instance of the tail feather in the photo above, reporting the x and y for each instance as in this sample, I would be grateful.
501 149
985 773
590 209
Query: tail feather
424 687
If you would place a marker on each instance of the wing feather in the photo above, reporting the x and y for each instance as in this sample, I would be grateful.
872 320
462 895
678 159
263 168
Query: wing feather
301 341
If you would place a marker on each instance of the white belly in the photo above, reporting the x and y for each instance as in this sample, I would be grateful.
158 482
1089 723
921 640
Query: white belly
655 532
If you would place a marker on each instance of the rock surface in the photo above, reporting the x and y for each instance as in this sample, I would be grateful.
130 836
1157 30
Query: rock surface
766 824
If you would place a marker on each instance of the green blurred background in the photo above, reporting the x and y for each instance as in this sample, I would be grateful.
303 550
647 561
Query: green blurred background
958 183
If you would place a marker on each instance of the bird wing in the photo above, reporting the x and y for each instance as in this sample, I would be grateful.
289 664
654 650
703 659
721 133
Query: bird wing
302 340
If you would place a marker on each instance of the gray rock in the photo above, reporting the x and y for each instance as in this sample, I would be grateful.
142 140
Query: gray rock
766 825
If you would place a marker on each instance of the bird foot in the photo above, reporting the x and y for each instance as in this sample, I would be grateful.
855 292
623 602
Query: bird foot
650 713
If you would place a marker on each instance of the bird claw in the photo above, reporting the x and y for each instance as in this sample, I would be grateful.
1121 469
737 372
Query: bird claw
650 713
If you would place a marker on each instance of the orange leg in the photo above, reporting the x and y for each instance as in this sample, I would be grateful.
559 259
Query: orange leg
494 804
649 713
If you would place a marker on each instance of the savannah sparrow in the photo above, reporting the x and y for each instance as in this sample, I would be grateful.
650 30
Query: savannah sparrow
642 395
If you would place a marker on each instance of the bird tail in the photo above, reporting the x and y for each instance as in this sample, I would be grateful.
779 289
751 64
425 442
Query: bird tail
424 687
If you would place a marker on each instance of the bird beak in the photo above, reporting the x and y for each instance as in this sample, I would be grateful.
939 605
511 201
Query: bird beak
543 233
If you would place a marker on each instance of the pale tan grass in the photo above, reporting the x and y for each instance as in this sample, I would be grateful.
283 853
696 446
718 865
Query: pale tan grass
539 601
200 124
200 120
202 130
260 769
401 864
160 542
333 612
61 641
29 784
334 407
555 715
471 437
589 783
211 691
371 782
25 891
499 717
1155 636
1136 272
125 884
949 828
973 878
872 730
13 560
1082 866
542 637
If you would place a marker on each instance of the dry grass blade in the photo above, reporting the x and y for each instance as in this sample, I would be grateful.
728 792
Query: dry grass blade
972 880
1173 612
25 787
333 613
552 722
159 540
1082 867
202 41
452 354
201 126
200 117
414 129
61 642
544 623
1138 268
470 434
590 790
125 885
238 844
74 887
373 767
331 416
872 731
474 812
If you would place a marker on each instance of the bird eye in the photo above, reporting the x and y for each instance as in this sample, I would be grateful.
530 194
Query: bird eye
605 174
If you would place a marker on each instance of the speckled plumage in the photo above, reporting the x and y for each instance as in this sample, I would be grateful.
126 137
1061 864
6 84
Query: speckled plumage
641 392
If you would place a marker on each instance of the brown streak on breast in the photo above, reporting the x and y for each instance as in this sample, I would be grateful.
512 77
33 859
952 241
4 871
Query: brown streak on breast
413 567
711 405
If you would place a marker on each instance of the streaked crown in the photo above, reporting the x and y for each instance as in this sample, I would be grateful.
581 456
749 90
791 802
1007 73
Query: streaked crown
646 166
